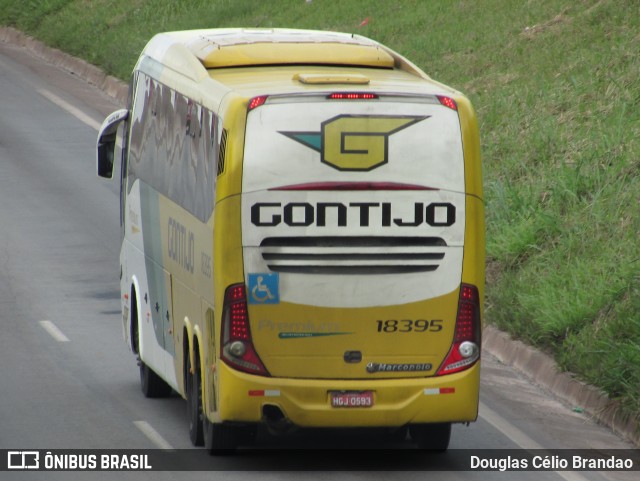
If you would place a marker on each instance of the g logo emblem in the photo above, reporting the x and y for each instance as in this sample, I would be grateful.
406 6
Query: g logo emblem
354 142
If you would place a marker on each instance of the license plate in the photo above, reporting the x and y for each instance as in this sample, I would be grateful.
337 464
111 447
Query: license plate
352 399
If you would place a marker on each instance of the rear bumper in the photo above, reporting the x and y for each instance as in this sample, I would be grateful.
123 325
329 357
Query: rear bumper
306 403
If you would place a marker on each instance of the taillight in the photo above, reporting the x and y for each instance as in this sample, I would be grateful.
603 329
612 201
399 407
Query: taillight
465 350
237 346
257 101
448 102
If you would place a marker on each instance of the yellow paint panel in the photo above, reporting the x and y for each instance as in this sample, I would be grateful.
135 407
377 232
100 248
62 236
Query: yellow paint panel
298 341
397 402
215 56
473 268
471 144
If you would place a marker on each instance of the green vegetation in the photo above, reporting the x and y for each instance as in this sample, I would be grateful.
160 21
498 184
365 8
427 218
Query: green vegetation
557 90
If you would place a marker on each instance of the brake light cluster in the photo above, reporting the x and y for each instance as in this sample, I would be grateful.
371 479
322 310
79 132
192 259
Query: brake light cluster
261 99
352 96
465 350
237 346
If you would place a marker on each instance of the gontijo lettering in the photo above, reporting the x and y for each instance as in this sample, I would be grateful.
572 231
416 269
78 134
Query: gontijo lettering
181 245
353 214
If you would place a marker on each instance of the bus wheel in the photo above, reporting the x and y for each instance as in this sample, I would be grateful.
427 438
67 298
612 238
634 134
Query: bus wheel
153 386
194 403
431 437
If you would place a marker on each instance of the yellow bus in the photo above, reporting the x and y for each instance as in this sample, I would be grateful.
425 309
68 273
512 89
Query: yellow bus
302 235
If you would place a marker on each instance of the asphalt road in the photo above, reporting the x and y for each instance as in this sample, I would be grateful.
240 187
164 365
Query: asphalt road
67 380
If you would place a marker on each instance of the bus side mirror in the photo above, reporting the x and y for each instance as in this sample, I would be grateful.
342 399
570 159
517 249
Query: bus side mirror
106 145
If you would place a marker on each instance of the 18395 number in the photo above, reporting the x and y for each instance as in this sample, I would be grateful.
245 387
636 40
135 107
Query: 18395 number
409 325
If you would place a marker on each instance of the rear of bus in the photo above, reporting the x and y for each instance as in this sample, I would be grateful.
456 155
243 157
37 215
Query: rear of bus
362 238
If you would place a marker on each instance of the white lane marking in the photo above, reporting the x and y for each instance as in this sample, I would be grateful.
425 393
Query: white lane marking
154 436
508 429
77 113
53 330
520 438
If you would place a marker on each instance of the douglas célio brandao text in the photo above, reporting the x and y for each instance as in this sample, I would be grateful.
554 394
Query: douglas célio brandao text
569 462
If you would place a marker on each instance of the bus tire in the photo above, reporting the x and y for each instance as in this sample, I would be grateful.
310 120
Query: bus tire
194 403
431 437
153 386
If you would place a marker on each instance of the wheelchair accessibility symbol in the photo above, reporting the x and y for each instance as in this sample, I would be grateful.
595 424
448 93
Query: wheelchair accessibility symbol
264 288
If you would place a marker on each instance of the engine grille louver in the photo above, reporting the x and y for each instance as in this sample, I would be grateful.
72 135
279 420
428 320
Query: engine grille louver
352 255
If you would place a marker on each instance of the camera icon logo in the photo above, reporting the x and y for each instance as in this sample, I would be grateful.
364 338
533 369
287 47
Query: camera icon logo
23 460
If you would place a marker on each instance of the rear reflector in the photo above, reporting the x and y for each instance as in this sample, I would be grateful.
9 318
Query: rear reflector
436 391
264 393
